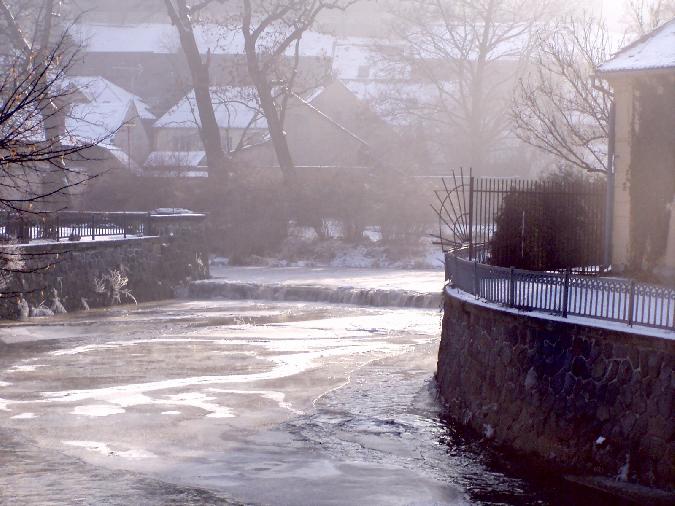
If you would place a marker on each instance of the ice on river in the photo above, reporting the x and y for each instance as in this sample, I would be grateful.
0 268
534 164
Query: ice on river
191 393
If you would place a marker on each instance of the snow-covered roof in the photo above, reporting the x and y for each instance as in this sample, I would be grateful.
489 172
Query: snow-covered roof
162 38
105 110
361 58
655 51
100 90
234 106
93 122
175 159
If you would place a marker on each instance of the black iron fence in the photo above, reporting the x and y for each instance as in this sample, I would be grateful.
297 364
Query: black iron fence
70 225
565 294
536 225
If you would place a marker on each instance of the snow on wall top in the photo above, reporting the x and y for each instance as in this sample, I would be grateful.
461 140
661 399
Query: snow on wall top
162 38
655 51
234 107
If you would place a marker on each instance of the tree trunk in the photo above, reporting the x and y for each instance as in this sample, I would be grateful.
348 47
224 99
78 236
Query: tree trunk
209 131
276 130
264 89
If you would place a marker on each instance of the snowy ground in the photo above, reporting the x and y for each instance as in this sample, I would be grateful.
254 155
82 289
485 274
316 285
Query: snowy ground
303 249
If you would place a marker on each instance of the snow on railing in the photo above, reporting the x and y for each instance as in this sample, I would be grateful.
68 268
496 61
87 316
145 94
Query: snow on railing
565 294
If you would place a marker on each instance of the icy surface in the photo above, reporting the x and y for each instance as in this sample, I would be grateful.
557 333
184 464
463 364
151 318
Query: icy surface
206 402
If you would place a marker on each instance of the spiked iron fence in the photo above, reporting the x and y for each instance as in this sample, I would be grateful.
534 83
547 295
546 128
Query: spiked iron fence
536 225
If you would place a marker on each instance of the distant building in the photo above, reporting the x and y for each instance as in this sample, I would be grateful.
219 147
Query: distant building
147 58
642 77
333 128
237 113
103 113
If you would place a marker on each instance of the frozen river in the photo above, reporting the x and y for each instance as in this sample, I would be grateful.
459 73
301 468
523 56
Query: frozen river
218 402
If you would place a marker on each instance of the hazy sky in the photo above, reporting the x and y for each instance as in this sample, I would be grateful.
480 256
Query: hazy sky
614 11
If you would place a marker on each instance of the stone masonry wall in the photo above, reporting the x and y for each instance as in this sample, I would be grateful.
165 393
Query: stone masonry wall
585 399
154 266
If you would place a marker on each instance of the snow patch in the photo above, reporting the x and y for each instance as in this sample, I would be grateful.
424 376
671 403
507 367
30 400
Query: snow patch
24 368
277 397
104 449
97 410
201 401
85 349
24 416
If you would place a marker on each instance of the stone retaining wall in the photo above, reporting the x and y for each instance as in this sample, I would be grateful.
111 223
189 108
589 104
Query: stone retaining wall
585 399
154 267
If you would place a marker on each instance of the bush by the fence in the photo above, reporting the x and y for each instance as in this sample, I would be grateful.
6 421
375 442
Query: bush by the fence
551 226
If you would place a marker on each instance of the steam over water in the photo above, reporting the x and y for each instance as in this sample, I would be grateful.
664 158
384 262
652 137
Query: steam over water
211 402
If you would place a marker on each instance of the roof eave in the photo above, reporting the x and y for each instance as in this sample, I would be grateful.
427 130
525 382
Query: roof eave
632 73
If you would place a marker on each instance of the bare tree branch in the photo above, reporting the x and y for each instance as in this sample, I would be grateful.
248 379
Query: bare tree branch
556 107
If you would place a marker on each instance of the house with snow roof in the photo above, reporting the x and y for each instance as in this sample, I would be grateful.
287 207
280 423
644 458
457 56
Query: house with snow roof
642 78
178 147
331 127
104 113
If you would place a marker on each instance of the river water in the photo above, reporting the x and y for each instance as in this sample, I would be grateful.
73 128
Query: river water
219 402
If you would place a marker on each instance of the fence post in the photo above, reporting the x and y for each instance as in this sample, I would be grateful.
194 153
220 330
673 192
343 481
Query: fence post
471 185
124 223
147 227
456 267
512 287
476 283
93 227
58 226
566 294
631 303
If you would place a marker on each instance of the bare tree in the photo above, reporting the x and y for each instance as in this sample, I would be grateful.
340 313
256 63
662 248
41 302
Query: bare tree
181 13
36 161
34 103
647 15
557 107
471 52
272 28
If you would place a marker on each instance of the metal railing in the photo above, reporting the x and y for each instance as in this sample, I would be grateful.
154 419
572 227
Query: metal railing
565 294
71 225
